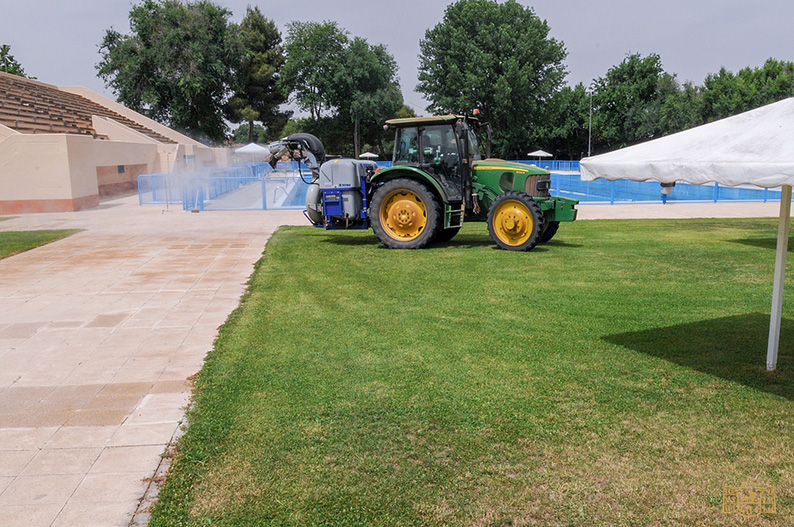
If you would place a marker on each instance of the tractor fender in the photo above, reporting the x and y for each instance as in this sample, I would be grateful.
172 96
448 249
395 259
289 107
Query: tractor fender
387 174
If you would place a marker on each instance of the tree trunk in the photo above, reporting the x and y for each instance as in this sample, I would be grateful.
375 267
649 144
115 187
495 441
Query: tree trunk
250 131
357 139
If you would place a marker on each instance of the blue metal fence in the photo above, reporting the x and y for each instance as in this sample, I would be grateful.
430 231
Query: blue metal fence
244 187
555 165
627 191
258 186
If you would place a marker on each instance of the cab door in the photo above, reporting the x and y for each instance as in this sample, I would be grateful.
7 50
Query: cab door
442 158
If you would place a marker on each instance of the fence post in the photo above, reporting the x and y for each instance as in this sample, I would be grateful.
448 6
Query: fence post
264 194
612 192
154 188
716 191
766 194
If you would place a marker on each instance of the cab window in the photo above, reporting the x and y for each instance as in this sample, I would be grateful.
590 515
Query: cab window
406 147
474 147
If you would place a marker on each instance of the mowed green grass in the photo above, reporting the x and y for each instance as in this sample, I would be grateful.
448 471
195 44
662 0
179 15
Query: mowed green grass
14 242
614 376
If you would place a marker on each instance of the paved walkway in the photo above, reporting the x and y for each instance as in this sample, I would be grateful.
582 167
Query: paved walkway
99 333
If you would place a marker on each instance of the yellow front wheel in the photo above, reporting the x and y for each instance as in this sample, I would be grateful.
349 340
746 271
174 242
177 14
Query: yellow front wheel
405 214
515 221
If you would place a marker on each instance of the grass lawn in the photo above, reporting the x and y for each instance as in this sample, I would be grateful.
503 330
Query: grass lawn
612 377
14 242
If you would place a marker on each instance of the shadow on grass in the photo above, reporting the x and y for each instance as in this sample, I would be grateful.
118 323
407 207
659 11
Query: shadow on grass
764 243
461 240
562 243
733 348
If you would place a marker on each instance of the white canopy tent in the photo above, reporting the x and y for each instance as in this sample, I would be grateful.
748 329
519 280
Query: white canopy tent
755 147
368 155
539 153
255 151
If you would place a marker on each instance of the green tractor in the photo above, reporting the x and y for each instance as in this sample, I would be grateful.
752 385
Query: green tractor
438 180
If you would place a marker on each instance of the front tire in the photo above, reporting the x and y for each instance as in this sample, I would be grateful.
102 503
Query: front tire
405 214
515 221
549 231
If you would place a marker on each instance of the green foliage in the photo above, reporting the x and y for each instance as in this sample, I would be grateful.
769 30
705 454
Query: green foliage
498 58
725 93
627 102
335 132
462 385
244 134
681 109
637 100
176 64
405 112
565 124
257 96
369 88
340 81
14 242
8 64
315 63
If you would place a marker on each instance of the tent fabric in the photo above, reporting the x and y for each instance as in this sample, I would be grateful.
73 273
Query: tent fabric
755 147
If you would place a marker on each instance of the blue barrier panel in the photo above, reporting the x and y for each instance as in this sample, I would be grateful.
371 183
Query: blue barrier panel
628 191
258 186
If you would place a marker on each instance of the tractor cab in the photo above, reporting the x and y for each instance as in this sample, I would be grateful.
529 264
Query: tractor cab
443 147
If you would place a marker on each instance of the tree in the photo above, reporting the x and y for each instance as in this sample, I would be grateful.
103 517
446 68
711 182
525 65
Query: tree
256 96
682 109
628 100
246 134
564 130
725 94
349 87
8 63
367 89
498 58
176 65
315 62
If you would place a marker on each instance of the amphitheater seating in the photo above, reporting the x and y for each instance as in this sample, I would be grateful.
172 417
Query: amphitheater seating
31 107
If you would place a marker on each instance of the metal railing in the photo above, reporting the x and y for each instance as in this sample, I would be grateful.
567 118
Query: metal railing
243 187
628 191
560 165
258 186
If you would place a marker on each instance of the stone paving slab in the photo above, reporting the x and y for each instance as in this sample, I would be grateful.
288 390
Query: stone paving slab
99 333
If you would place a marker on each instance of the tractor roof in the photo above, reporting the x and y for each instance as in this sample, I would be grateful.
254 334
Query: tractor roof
435 119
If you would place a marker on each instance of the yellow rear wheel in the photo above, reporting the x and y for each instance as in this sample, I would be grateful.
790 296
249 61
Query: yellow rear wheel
405 214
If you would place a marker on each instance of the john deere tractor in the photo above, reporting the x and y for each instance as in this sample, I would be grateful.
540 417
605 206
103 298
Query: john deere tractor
438 180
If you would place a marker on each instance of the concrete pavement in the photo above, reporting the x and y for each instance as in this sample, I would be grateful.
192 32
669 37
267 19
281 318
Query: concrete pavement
100 332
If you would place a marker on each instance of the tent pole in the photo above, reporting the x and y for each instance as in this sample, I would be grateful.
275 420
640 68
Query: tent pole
780 275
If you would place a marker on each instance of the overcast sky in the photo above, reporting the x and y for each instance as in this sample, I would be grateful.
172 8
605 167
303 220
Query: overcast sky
57 41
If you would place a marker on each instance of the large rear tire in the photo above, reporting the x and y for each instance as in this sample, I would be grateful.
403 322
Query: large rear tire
405 214
549 231
515 221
